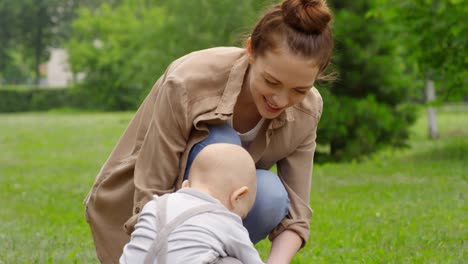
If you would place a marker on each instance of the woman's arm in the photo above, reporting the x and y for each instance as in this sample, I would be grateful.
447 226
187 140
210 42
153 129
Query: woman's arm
284 247
295 171
157 161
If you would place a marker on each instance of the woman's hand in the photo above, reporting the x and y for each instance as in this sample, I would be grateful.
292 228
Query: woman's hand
284 247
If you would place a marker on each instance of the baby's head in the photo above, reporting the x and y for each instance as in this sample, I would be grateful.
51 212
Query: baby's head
227 173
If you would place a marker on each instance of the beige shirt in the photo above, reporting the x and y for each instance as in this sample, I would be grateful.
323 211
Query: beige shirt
198 89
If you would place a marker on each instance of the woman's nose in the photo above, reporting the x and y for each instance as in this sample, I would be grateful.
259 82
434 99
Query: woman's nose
280 100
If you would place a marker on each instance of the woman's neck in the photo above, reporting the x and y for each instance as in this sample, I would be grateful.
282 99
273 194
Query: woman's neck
246 115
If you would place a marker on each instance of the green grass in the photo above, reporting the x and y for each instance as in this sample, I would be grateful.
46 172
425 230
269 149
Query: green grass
398 206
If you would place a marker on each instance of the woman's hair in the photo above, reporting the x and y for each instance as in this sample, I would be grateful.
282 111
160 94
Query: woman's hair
303 25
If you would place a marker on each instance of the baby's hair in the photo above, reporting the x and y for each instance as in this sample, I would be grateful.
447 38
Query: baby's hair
225 164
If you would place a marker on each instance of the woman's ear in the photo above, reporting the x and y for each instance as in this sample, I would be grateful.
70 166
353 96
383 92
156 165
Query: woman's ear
185 184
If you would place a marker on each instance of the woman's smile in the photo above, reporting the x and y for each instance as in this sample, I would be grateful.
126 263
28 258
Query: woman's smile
271 107
279 79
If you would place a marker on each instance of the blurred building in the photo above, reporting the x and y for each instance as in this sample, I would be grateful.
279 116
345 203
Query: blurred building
57 70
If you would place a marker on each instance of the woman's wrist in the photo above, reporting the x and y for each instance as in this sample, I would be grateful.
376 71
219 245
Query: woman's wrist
284 247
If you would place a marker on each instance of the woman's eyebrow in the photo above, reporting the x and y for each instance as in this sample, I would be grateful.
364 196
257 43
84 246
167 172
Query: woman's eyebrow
271 77
305 87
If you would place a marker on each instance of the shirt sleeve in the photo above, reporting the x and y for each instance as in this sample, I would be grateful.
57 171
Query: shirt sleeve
295 171
237 243
158 158
136 249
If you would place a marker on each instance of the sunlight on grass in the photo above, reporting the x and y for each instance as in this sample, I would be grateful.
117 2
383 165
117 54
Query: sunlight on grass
397 206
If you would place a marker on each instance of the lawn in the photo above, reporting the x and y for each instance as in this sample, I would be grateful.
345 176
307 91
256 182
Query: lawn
398 206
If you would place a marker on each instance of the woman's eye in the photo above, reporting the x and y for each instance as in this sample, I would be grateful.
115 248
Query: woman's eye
300 91
270 82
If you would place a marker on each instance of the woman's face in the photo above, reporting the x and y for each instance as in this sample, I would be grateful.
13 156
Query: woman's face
279 79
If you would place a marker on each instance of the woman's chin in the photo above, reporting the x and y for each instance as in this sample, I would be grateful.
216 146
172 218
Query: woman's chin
270 115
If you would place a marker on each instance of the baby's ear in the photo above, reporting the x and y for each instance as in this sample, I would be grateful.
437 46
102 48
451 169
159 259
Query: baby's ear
238 203
238 194
186 184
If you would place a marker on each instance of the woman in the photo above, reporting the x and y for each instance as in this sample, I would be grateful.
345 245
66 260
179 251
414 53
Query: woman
261 97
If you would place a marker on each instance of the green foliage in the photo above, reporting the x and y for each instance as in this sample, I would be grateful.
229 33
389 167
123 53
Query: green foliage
30 98
123 58
435 39
9 24
14 101
31 28
366 108
107 49
18 68
354 127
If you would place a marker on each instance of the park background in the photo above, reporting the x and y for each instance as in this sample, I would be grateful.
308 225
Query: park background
390 175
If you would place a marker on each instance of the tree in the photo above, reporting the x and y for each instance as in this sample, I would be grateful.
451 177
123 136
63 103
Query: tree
365 109
435 39
31 27
122 60
8 23
436 36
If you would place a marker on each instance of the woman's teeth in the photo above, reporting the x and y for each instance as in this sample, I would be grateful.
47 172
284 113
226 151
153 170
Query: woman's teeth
272 106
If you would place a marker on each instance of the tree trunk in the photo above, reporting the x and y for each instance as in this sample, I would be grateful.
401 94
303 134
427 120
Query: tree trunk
37 53
38 45
431 112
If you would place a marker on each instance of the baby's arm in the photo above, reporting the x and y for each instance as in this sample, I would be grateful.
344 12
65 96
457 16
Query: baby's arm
238 245
142 237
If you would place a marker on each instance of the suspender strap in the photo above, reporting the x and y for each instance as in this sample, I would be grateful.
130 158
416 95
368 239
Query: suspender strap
153 253
158 248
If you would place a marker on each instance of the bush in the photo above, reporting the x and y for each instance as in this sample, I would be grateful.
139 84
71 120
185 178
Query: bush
31 98
356 127
14 100
367 107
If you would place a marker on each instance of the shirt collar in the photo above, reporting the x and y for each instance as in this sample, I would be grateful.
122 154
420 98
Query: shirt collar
233 85
286 116
200 195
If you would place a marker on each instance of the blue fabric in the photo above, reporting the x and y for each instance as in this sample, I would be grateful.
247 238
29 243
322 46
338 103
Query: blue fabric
272 202
270 207
218 134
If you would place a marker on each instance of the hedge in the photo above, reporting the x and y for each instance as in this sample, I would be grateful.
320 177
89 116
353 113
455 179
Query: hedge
29 98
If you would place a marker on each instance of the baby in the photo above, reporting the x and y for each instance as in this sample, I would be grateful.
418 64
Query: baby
202 222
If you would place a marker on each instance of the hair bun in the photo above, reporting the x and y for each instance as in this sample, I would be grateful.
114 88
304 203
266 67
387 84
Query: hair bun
308 16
